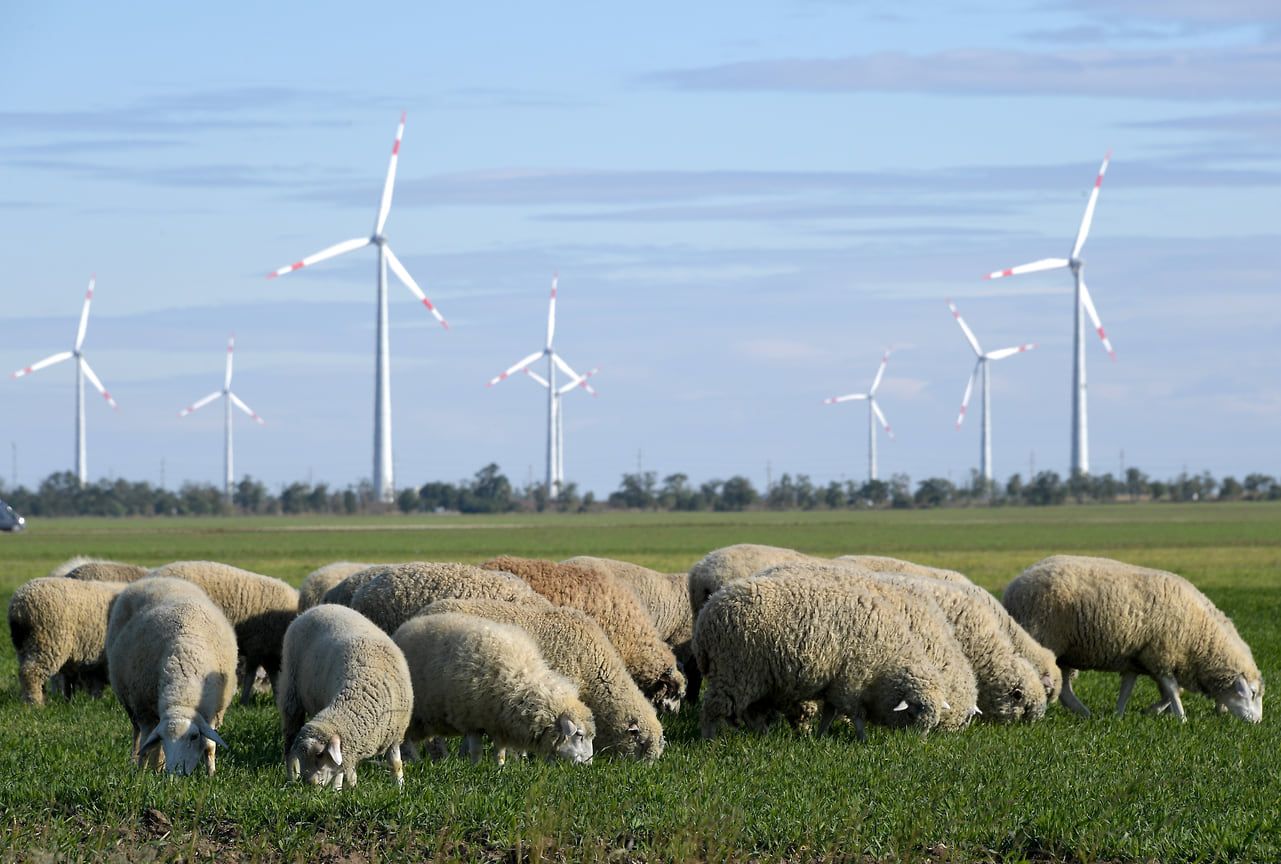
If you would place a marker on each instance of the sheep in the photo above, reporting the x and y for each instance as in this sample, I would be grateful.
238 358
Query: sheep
1096 613
171 658
259 607
342 592
883 564
616 609
352 680
392 597
320 580
776 642
575 646
59 628
71 564
734 562
925 619
107 571
474 676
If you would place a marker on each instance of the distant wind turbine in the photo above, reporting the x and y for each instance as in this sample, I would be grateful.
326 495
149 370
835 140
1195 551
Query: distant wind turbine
384 483
873 414
82 370
232 398
985 443
555 434
1083 305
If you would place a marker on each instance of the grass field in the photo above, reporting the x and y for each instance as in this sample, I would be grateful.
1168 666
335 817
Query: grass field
1134 789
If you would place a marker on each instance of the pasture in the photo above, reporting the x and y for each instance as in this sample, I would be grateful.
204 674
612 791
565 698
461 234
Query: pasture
1065 789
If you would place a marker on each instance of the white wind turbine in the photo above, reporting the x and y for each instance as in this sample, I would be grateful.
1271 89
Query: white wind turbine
383 481
555 434
1083 305
232 398
985 444
82 370
873 414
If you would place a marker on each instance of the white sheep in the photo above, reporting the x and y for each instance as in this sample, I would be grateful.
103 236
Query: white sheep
342 592
773 643
171 658
728 563
575 646
474 676
59 630
352 681
259 607
1096 613
107 571
393 596
885 564
320 580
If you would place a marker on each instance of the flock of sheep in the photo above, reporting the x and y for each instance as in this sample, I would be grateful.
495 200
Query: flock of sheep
577 658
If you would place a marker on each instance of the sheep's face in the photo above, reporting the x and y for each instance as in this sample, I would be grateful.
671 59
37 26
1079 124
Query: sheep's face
185 741
1015 693
666 693
574 740
918 709
1243 699
315 759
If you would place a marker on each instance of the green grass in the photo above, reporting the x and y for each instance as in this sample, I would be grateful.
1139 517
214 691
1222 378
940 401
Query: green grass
1134 789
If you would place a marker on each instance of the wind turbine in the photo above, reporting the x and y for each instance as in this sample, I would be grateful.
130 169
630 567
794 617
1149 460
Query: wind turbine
985 444
232 398
555 444
383 481
873 414
1083 305
82 370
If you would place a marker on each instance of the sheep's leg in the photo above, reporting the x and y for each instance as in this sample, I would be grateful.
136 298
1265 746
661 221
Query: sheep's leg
1068 698
1128 680
397 765
475 747
1169 688
860 726
828 715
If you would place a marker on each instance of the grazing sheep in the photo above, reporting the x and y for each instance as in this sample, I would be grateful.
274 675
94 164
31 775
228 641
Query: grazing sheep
616 609
393 597
71 564
728 563
107 571
320 580
575 646
883 564
1096 613
352 681
474 676
773 643
171 657
259 607
342 592
59 628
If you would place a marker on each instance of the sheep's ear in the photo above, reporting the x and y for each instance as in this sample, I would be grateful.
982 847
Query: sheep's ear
1242 688
152 742
335 749
1047 682
208 731
947 707
902 706
566 726
633 728
293 767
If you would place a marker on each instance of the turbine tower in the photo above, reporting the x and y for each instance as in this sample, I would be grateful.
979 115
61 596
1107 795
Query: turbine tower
873 414
1082 305
980 365
232 398
384 484
555 435
82 371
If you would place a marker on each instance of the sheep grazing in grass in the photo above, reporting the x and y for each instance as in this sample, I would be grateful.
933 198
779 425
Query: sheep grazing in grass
615 608
351 679
728 563
342 592
320 580
575 646
59 631
473 677
1096 613
259 607
883 564
773 643
394 596
107 571
171 657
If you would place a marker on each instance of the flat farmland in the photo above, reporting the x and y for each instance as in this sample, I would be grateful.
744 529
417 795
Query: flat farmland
1064 789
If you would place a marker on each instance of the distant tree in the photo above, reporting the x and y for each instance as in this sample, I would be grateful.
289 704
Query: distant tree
407 500
676 493
1158 489
875 491
636 492
490 492
737 494
1230 489
1136 483
1078 485
1045 489
1014 488
350 501
934 491
834 496
1103 488
437 495
1258 486
568 500
782 495
249 495
293 498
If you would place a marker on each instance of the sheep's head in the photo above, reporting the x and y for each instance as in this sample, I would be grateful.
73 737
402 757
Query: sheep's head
186 740
668 690
1012 693
316 759
573 738
1242 698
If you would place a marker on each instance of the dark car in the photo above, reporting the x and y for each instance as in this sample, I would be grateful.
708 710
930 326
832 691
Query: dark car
9 520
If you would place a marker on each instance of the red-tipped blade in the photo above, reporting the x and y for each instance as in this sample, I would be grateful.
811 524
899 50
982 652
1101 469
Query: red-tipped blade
48 361
94 380
385 205
1089 208
403 274
1035 266
516 367
1094 318
323 254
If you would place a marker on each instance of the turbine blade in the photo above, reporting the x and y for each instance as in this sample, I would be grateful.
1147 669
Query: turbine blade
403 274
1094 318
1043 264
84 313
965 400
323 254
564 367
1089 208
235 400
48 361
1002 353
516 367
551 311
196 406
94 380
532 374
836 399
385 205
969 334
879 416
231 346
880 371
581 382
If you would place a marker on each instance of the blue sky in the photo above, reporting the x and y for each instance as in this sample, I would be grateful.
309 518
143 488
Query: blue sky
747 203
